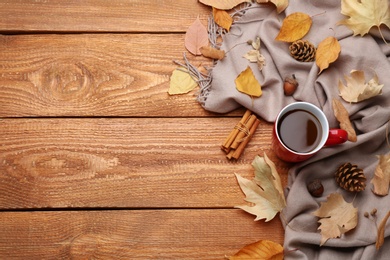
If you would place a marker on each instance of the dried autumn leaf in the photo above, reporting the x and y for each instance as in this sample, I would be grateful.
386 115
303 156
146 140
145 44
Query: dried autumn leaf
211 52
223 5
262 250
255 55
341 114
181 82
357 89
222 18
364 14
327 52
196 37
280 4
380 239
294 27
336 217
248 84
265 191
381 179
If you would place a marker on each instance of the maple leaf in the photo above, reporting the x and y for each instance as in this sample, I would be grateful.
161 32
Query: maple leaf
280 4
327 52
255 55
265 191
336 217
196 37
294 27
248 84
381 179
364 14
222 18
357 89
181 82
263 249
223 5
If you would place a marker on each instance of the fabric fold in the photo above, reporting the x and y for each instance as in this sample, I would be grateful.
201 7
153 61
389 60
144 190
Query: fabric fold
370 118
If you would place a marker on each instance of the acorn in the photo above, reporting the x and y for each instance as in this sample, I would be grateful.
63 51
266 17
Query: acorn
290 85
315 188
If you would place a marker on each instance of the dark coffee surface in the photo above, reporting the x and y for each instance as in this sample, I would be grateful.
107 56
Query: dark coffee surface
300 131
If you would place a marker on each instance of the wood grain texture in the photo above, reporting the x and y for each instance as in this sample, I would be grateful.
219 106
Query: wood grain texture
141 162
99 15
131 234
93 75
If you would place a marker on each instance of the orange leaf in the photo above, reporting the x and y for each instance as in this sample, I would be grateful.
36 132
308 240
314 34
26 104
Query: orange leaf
262 250
327 52
196 37
212 53
248 84
222 18
294 27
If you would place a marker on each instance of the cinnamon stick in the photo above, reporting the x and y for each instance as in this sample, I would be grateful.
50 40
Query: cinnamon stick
237 153
241 134
233 134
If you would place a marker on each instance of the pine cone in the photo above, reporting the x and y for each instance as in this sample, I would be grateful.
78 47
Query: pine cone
303 50
350 178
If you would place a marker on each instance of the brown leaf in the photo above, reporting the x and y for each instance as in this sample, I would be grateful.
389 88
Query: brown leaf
196 37
255 55
357 89
224 4
280 4
222 18
380 239
341 114
294 27
336 217
261 250
381 179
248 84
213 53
327 52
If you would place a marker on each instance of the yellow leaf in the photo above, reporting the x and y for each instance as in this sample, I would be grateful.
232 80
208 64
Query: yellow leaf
357 89
265 191
212 53
223 4
181 82
280 4
294 27
336 217
196 37
248 84
381 179
364 14
222 18
261 250
327 52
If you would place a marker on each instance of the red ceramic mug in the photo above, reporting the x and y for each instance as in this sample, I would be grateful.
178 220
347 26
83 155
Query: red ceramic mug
301 130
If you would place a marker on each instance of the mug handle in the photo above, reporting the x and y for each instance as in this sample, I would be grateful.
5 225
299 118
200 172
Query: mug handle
336 136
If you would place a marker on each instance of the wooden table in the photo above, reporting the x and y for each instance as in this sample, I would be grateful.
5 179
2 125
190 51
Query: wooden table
97 161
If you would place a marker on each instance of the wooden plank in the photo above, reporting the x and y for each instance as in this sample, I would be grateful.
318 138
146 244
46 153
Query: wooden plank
99 15
136 162
129 234
93 75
